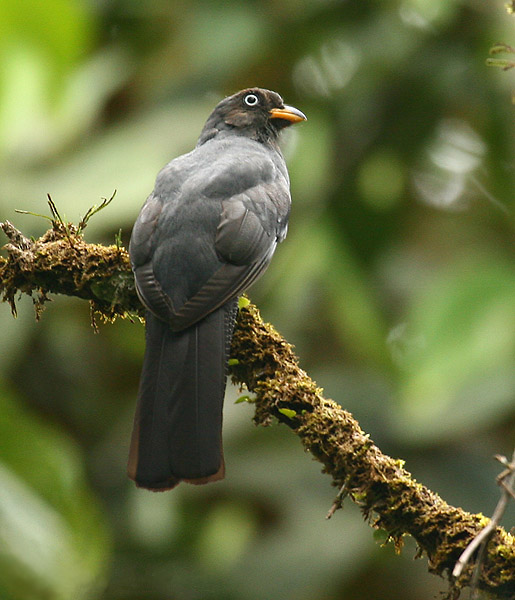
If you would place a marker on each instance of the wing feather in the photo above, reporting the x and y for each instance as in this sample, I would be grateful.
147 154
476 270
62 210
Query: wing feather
220 246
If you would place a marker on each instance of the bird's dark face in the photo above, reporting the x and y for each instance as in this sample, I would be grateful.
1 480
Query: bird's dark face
254 112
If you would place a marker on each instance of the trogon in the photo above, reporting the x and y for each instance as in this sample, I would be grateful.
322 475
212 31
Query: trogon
205 234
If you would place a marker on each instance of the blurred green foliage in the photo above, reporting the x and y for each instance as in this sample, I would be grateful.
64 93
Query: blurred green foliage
396 284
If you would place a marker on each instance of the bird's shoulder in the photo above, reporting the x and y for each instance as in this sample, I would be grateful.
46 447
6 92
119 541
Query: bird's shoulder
222 167
234 189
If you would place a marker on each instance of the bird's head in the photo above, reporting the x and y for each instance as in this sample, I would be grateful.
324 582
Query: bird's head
256 113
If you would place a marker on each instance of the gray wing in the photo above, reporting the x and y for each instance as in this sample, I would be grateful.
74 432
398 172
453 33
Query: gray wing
247 229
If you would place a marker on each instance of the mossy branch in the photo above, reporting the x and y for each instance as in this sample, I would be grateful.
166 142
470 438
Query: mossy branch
61 262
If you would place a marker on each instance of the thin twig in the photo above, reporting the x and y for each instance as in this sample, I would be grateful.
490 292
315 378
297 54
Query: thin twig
506 479
338 501
16 237
58 219
93 210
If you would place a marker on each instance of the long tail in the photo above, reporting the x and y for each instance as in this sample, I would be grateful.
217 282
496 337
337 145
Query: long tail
177 431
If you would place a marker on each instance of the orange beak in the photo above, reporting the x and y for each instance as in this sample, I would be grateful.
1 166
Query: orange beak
288 113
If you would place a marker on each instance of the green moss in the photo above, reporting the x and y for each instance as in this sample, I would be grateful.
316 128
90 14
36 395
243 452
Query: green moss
61 262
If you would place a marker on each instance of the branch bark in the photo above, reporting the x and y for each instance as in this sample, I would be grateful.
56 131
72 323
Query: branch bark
62 262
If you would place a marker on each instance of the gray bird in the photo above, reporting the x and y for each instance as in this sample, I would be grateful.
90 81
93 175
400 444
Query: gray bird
204 235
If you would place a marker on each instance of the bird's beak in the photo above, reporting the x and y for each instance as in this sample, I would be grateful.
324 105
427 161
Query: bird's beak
288 113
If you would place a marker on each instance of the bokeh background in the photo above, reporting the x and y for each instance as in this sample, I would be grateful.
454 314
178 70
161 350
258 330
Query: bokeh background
396 284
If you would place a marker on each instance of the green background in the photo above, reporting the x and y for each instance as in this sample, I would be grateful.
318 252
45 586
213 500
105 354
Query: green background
396 284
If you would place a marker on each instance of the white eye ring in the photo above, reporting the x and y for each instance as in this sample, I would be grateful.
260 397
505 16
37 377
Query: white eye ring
251 100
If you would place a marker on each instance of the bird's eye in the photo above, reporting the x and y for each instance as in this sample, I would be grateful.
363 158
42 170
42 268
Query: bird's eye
251 100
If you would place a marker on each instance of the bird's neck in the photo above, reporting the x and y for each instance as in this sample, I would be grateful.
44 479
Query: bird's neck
223 131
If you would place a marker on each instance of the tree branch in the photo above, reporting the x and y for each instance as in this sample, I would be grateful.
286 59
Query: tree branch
62 262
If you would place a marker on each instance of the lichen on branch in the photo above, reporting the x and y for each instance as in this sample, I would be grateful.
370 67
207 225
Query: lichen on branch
61 262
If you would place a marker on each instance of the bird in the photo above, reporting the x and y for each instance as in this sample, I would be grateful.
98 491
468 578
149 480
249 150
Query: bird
207 232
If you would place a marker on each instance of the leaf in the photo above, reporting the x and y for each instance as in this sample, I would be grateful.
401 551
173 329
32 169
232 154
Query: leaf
380 536
461 375
501 63
243 302
243 399
287 412
53 538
